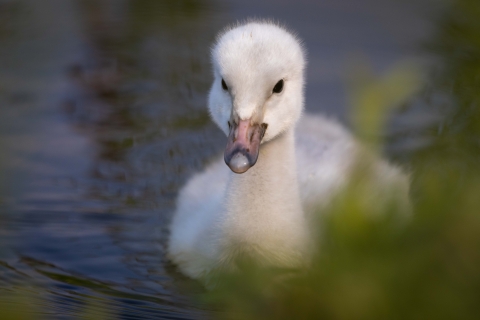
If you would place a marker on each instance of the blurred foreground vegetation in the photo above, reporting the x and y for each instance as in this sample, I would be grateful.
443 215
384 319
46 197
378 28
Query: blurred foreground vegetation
386 266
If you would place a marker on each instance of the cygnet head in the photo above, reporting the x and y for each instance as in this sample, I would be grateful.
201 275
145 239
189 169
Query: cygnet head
257 91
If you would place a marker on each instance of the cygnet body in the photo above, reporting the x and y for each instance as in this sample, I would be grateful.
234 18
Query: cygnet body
278 165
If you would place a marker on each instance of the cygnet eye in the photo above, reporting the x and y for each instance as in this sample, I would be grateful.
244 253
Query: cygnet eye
278 87
224 85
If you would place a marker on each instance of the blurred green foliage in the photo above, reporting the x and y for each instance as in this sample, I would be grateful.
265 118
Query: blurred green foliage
387 265
375 266
26 302
454 89
373 99
19 304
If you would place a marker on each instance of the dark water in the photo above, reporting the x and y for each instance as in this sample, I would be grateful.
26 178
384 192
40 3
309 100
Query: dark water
103 119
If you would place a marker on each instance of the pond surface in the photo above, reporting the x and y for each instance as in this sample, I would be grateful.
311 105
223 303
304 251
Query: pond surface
103 119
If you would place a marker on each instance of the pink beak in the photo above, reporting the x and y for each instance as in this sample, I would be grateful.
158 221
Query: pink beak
243 145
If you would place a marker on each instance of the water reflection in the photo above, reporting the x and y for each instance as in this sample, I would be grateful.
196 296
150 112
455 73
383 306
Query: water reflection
145 77
130 77
144 81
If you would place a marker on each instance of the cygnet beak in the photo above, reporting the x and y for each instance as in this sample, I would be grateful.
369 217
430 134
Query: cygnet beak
243 144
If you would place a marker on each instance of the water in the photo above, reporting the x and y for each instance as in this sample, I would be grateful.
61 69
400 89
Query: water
103 119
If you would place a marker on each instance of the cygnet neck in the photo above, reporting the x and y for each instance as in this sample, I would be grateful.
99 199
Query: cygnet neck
264 203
